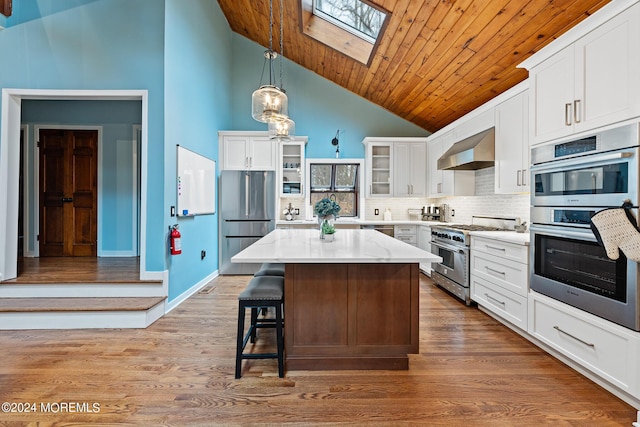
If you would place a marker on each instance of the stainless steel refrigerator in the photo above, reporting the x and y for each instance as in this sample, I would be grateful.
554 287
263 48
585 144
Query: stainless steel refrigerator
246 208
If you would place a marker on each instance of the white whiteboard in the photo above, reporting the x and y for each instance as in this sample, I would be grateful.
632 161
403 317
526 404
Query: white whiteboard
196 184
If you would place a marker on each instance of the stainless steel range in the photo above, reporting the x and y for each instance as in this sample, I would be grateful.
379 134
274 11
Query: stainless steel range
451 242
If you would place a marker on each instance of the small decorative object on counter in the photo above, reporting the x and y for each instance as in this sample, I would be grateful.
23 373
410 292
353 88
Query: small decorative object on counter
290 212
327 211
327 231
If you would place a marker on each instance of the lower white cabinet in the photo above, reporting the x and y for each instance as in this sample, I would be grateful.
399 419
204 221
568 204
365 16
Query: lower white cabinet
508 305
608 350
406 233
500 278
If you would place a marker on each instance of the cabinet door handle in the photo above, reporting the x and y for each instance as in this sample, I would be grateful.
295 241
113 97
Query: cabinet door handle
491 270
411 188
576 111
408 189
567 114
490 298
495 248
519 179
524 177
588 344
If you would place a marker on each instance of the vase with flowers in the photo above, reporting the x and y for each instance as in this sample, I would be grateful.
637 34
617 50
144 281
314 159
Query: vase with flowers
327 211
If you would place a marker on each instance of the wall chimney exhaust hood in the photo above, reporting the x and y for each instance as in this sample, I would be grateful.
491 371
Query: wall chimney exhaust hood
475 152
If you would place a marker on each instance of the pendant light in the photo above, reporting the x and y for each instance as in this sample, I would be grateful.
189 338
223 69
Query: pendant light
282 127
269 102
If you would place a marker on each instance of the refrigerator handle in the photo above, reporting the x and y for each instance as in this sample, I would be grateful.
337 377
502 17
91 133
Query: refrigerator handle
246 194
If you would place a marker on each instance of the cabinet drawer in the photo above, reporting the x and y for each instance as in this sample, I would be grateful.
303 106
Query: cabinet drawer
606 349
510 275
405 230
518 253
412 240
507 305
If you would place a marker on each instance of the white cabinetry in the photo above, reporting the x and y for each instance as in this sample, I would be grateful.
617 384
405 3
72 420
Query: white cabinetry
406 233
500 278
409 169
291 168
396 167
591 83
246 151
512 145
424 243
608 350
443 183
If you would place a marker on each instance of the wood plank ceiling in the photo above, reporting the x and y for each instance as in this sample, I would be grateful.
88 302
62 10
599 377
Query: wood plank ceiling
437 59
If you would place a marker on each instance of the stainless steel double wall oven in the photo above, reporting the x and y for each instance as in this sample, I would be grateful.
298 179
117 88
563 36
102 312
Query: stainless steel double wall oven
571 182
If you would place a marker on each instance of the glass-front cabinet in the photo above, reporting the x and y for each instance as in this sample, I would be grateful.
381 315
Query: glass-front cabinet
380 159
292 168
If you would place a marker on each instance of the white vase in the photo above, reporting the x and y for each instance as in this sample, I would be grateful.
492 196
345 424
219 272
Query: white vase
328 237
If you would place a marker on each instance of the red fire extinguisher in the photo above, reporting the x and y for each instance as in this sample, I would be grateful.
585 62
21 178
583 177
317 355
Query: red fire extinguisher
175 244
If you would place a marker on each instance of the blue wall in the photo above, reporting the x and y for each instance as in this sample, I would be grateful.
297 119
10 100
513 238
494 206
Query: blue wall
79 49
197 95
318 106
29 10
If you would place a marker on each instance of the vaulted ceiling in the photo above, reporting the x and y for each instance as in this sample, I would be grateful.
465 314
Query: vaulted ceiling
436 60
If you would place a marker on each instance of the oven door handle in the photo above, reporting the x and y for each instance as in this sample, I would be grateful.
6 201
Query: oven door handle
448 247
587 234
577 161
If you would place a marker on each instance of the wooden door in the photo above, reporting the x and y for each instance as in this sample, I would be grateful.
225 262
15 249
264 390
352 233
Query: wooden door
68 192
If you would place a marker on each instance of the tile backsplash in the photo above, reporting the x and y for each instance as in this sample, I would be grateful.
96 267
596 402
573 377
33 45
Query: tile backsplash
485 203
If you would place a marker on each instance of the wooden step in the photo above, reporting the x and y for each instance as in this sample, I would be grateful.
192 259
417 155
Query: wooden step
79 312
78 304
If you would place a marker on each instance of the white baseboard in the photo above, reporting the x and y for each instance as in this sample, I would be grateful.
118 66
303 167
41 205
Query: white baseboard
192 290
117 254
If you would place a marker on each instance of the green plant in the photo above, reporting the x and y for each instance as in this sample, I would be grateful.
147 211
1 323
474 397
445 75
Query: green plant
327 228
326 207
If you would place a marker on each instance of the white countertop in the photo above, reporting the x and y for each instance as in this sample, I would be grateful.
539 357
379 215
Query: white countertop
349 246
504 236
361 222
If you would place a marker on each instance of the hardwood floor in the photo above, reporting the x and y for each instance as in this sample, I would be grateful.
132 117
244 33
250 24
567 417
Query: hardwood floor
471 370
77 270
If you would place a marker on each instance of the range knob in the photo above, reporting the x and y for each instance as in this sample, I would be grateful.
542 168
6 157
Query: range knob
458 239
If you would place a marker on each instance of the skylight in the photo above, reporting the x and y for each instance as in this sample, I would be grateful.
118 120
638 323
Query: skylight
355 16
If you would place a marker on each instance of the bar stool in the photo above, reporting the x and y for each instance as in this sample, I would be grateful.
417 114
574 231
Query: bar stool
261 292
270 269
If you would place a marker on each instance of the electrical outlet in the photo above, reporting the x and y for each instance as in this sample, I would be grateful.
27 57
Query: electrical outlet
376 211
173 211
203 254
453 212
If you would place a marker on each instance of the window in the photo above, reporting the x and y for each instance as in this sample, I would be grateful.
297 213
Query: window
352 27
354 16
339 182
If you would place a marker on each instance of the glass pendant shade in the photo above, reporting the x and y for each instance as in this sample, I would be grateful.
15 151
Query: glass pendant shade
283 128
268 103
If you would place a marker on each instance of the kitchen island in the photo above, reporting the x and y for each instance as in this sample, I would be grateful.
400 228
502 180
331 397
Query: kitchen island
349 304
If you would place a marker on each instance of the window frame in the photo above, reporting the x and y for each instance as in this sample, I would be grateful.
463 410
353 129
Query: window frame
358 188
343 25
338 38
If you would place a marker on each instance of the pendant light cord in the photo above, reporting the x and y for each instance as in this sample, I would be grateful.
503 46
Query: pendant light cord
281 41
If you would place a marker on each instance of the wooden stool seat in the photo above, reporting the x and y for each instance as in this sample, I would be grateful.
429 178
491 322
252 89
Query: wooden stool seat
261 292
270 269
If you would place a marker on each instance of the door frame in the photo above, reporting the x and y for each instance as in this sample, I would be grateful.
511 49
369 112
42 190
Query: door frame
36 180
10 123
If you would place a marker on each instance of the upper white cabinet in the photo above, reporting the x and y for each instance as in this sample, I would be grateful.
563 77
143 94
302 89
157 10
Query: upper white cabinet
409 169
512 145
443 183
246 151
590 83
396 167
